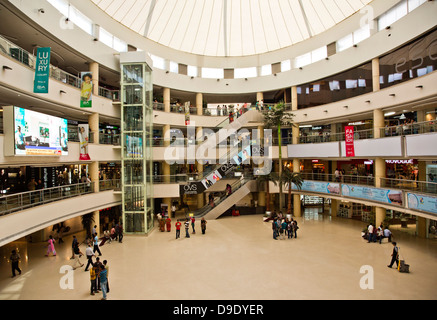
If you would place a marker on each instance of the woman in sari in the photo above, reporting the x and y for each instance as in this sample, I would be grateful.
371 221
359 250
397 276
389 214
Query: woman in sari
51 247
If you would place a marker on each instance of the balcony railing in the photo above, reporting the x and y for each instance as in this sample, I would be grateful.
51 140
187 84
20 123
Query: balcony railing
409 129
410 185
25 200
10 49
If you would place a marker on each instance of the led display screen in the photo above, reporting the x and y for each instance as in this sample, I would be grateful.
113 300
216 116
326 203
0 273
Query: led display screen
38 134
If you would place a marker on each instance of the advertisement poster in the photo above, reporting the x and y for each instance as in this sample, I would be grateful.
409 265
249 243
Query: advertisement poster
187 113
374 194
422 202
318 186
84 141
134 146
349 138
86 90
38 134
42 71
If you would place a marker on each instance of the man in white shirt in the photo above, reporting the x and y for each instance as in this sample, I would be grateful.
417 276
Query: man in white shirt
89 254
370 232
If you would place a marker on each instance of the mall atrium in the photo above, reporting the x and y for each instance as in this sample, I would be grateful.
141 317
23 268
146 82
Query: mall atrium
129 116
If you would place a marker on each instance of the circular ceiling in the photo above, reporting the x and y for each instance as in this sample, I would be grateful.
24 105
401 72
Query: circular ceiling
229 27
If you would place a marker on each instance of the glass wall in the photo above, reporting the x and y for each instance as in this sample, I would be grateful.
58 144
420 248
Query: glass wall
137 125
413 60
348 84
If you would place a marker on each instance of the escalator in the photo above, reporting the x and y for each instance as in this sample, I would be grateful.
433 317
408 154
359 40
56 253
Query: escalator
224 202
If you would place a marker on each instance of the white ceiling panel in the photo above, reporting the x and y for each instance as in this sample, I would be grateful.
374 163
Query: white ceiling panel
229 27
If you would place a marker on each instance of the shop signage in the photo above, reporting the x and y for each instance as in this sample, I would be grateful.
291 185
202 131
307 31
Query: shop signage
350 147
42 71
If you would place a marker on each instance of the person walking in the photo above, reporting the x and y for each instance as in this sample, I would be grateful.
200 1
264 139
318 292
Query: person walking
120 233
295 228
193 220
168 224
77 255
103 276
51 246
96 244
394 255
74 243
203 225
178 225
15 260
105 263
89 254
274 229
187 228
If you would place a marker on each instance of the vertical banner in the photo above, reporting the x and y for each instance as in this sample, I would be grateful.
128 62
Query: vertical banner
42 71
86 90
83 139
350 147
187 113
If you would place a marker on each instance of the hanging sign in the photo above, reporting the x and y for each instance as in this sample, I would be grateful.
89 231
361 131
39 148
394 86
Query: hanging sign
86 90
350 147
42 71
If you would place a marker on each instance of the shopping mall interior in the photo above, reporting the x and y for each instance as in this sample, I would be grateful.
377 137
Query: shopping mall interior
119 119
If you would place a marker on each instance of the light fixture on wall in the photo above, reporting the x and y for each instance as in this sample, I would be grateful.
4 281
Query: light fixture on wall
392 95
419 87
345 107
367 101
62 91
41 10
7 68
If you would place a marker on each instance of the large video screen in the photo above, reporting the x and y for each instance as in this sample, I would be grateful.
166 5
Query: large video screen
39 134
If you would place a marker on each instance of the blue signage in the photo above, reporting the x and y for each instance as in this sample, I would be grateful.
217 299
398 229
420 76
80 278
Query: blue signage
42 71
422 202
373 194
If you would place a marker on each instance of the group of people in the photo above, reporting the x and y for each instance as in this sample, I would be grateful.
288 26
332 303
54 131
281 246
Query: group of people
189 221
284 228
374 234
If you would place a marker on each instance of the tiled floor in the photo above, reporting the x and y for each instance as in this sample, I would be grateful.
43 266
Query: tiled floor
237 258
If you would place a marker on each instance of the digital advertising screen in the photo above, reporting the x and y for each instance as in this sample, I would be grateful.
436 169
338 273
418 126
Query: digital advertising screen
38 134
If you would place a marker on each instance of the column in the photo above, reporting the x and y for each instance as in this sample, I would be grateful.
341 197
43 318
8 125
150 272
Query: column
94 176
199 104
334 208
380 172
259 96
294 103
199 166
94 68
93 122
375 75
261 194
378 123
297 206
421 227
166 135
166 98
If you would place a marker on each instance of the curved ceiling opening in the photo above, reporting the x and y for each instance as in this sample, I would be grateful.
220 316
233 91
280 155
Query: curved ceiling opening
226 28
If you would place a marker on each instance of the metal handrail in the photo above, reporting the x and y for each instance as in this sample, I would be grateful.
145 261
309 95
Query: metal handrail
409 129
29 199
411 185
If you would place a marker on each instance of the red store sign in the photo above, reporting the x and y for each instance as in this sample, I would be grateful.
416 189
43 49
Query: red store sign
350 147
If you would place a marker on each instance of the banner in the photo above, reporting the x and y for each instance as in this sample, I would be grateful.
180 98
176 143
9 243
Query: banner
86 90
394 197
318 186
422 202
83 139
42 71
349 135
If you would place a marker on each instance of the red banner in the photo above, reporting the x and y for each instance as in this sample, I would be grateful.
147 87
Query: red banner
350 147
